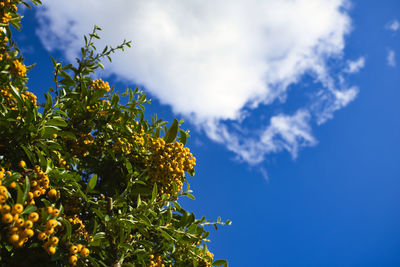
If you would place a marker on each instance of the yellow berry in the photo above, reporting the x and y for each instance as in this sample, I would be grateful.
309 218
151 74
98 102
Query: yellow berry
20 222
42 236
51 223
54 240
13 185
3 190
28 224
49 231
17 209
52 193
51 250
49 209
73 259
85 252
33 216
37 193
55 212
14 238
29 232
22 164
79 246
73 250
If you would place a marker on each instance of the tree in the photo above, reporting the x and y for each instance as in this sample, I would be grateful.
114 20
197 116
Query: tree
84 179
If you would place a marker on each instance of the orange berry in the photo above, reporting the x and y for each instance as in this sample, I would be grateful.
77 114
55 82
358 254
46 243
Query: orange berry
37 193
54 240
29 232
51 250
20 222
85 252
22 164
73 250
33 216
18 208
73 259
3 190
79 246
7 218
28 224
52 193
3 199
50 231
55 212
14 238
13 185
51 223
42 236
49 209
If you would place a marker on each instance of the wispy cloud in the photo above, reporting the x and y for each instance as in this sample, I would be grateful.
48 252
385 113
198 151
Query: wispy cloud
215 62
355 66
393 25
391 58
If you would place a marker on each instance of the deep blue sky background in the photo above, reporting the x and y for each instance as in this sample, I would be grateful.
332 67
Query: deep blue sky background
338 203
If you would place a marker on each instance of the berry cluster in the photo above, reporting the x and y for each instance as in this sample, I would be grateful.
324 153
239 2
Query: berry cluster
167 164
99 85
80 230
80 146
18 68
10 100
156 261
207 261
77 251
6 7
19 226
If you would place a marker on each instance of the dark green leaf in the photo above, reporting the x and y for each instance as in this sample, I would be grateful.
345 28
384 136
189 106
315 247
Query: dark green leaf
92 183
172 132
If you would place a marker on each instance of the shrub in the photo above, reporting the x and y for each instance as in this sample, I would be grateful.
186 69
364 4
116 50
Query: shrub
85 179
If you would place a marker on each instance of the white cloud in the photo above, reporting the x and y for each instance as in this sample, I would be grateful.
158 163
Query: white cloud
355 66
391 58
210 60
393 25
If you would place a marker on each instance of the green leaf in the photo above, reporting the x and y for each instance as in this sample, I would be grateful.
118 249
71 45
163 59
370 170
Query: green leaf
49 103
224 263
68 229
166 236
27 188
20 194
17 96
191 172
57 122
172 132
29 154
92 183
183 137
154 193
139 201
126 246
29 209
68 135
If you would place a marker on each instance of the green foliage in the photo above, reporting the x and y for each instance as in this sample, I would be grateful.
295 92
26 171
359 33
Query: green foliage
99 183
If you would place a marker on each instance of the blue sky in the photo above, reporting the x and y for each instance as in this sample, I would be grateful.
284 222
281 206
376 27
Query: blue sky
316 189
